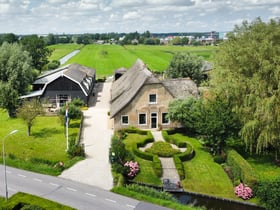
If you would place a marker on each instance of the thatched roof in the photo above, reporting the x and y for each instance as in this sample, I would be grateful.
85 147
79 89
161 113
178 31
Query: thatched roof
127 86
181 88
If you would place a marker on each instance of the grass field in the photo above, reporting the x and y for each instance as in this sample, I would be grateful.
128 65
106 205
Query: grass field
60 50
107 58
47 143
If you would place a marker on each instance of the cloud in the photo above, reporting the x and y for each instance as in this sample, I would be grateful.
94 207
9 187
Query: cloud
57 16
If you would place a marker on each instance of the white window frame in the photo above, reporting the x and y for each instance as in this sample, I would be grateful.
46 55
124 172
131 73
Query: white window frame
122 120
152 102
139 119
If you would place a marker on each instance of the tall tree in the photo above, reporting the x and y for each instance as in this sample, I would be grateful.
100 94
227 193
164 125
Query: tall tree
37 49
29 111
15 75
247 73
185 64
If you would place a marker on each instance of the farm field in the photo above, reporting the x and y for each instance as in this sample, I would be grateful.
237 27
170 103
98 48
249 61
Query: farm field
60 50
107 58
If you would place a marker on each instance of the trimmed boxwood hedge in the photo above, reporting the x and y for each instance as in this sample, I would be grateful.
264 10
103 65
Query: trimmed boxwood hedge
241 169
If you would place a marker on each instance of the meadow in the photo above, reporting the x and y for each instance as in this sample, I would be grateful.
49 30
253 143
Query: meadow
107 58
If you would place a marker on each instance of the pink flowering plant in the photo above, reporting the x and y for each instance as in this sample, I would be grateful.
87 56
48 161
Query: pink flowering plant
243 191
133 168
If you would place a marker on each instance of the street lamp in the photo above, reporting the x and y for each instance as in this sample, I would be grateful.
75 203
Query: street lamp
4 161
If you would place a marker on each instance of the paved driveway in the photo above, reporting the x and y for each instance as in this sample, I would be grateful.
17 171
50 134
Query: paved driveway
95 169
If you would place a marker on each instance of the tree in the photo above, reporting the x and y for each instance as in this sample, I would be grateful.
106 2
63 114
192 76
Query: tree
15 75
37 49
247 72
185 64
29 111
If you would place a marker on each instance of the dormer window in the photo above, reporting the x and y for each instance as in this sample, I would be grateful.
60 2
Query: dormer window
152 98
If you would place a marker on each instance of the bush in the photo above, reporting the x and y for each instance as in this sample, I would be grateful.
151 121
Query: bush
219 159
241 169
243 191
75 149
162 149
269 193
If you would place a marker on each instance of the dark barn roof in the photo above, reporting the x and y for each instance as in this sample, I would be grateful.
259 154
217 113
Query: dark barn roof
81 75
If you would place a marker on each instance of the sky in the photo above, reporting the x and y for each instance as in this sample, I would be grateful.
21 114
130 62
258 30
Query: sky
156 16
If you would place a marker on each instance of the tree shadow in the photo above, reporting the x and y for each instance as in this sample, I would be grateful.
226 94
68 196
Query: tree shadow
45 132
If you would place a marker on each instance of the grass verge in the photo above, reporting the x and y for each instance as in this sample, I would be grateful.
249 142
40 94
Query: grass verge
28 201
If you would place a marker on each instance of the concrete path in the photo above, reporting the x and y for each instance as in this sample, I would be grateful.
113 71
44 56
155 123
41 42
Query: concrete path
96 136
168 167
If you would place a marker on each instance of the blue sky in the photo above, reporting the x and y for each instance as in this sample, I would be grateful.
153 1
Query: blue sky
157 16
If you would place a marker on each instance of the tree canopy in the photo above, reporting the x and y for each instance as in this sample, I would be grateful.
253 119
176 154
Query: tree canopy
15 75
247 73
185 64
37 49
29 111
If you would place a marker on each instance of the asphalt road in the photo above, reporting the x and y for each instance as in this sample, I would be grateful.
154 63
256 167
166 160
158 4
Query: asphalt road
71 193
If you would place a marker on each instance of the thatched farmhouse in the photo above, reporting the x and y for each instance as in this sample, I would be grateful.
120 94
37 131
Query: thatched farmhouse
64 84
140 99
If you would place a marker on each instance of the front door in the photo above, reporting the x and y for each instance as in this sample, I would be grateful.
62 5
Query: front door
153 120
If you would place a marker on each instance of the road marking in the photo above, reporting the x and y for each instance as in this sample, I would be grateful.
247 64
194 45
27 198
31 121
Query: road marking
12 189
71 189
21 175
110 200
130 206
53 184
37 180
89 194
9 172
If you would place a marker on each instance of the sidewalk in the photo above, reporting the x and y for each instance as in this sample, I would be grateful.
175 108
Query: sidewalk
96 136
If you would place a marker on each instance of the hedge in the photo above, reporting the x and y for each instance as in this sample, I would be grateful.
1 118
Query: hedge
241 169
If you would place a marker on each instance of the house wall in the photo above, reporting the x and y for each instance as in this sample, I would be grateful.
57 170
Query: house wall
63 86
140 104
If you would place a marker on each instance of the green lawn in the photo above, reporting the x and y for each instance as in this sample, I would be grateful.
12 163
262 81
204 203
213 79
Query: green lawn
60 50
107 58
46 145
146 174
203 175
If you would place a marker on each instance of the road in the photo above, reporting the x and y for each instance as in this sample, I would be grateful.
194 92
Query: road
71 193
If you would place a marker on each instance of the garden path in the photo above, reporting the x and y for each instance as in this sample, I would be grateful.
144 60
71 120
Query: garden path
168 167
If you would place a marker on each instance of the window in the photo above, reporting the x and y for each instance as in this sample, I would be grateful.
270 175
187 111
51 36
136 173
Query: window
164 118
142 119
152 98
124 120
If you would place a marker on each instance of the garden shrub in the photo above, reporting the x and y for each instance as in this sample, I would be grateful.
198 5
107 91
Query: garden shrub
148 191
75 149
241 169
157 167
269 193
179 166
162 149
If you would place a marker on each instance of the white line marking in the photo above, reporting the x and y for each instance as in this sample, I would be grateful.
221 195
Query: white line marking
53 184
12 189
37 180
9 172
71 189
130 206
21 175
89 194
110 200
